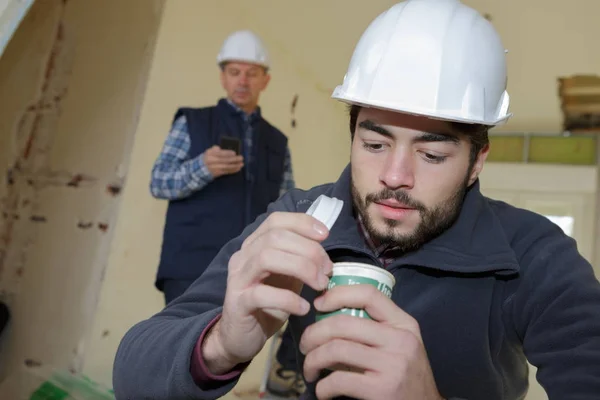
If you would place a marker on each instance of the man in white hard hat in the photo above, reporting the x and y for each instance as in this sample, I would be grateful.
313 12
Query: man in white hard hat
481 287
213 191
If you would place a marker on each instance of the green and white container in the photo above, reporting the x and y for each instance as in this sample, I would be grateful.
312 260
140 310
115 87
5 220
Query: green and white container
353 273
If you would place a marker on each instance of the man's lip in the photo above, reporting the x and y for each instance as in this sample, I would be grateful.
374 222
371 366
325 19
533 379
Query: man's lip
394 204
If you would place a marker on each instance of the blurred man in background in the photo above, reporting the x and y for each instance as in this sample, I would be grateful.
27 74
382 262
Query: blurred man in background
219 168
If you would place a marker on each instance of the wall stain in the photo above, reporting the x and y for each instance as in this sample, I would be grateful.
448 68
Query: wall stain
85 225
294 104
78 179
10 179
114 189
30 363
102 226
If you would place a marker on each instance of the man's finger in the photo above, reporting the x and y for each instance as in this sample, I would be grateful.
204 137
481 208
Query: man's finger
368 298
270 261
223 161
231 168
292 242
346 327
345 383
226 154
339 353
269 299
300 223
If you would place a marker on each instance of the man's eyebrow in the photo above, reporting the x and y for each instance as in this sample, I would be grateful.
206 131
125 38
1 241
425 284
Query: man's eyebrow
437 137
427 137
372 126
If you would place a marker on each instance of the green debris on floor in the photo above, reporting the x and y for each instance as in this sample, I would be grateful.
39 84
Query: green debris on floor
52 384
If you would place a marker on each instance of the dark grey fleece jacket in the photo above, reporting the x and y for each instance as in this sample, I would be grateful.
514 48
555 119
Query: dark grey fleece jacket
501 286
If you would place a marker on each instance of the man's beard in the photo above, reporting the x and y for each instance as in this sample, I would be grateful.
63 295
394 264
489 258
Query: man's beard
434 221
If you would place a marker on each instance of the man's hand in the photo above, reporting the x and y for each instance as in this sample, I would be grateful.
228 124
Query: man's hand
222 162
264 281
386 355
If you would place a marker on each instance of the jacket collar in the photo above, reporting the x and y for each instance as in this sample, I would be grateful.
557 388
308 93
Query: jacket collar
230 108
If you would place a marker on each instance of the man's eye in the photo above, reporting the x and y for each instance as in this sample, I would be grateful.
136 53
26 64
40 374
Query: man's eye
373 147
432 158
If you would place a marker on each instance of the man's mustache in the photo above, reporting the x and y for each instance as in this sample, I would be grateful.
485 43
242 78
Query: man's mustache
399 195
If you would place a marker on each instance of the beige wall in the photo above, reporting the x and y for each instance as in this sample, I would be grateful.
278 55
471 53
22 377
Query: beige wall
545 39
310 44
71 86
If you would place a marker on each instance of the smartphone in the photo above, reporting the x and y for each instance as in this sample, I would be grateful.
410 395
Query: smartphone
231 143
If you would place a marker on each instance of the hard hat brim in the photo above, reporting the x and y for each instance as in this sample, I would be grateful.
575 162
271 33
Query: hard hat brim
242 60
338 94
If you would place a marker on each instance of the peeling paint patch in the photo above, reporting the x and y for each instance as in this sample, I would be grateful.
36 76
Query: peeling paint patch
30 363
10 178
49 72
74 182
29 172
294 104
85 225
114 189
77 179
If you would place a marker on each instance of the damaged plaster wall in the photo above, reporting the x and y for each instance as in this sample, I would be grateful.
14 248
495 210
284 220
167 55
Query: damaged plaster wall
72 79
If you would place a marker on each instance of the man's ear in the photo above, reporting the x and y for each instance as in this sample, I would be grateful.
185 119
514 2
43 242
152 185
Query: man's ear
478 166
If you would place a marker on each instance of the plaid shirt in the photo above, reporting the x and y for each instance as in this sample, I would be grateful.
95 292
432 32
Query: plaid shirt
175 175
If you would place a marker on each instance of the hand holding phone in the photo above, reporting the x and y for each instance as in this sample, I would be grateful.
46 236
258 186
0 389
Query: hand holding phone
231 143
221 161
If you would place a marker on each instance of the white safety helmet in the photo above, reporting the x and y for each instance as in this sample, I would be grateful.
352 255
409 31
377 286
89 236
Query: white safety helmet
436 58
244 46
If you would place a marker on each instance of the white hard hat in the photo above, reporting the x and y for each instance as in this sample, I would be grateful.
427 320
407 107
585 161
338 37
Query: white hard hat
244 46
437 58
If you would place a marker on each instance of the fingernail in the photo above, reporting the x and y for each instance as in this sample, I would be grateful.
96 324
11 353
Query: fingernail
305 305
301 348
320 228
318 302
327 267
323 281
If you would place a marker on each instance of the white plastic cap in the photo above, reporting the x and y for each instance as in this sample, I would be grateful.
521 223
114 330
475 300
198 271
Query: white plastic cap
326 210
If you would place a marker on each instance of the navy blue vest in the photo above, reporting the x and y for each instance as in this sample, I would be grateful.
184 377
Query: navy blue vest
198 226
